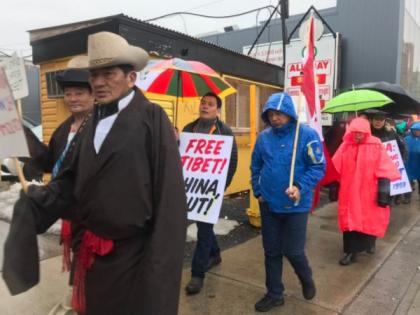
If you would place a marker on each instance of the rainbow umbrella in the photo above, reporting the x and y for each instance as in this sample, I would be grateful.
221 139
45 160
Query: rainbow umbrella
181 78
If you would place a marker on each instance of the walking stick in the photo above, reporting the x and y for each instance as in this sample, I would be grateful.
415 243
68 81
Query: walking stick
295 143
19 170
20 175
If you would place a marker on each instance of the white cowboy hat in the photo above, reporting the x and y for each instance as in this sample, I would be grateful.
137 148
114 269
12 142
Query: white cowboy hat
107 49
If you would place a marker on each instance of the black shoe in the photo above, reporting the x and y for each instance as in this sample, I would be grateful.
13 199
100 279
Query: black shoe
194 286
348 259
407 200
308 289
214 261
267 303
371 250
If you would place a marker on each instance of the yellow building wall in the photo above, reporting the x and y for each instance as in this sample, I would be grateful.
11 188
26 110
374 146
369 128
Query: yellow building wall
53 111
186 112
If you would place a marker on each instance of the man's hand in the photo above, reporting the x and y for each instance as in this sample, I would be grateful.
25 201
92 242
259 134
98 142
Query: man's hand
293 193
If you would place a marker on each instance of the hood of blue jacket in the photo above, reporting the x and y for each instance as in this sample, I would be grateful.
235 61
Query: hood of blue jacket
281 102
415 126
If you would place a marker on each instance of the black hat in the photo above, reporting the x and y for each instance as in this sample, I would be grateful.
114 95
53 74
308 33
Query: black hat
371 113
73 78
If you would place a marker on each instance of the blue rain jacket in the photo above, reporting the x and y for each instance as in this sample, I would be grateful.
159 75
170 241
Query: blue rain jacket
413 146
272 157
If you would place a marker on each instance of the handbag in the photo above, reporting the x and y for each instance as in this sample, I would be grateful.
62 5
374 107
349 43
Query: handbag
384 192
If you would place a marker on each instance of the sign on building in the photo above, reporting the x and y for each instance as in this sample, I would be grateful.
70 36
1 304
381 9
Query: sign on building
16 75
12 138
205 163
268 52
326 66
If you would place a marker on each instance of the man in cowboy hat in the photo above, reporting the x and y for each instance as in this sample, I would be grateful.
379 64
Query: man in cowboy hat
125 179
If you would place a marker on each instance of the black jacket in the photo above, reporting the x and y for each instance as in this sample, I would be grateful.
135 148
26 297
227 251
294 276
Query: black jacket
44 157
386 135
224 130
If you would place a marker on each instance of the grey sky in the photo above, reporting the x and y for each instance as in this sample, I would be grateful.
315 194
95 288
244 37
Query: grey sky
23 15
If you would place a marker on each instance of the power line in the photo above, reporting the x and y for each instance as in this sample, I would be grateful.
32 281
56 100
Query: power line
257 24
207 4
210 16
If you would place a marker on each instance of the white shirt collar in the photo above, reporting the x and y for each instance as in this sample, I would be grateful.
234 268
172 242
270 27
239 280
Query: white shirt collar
123 103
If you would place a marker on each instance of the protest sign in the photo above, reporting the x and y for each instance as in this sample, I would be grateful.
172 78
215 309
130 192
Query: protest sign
16 75
205 162
12 138
402 185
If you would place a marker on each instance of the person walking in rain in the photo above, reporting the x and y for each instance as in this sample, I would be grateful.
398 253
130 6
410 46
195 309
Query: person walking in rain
382 129
124 187
284 210
79 100
207 251
365 172
413 162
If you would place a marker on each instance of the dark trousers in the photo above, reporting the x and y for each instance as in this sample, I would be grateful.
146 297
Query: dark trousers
206 247
283 235
356 242
408 195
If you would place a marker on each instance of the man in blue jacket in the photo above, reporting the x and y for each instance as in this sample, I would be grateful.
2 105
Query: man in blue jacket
284 210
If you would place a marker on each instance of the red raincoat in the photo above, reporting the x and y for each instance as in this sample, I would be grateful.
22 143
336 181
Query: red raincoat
360 166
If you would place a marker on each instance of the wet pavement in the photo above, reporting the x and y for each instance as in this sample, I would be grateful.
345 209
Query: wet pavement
385 283
234 286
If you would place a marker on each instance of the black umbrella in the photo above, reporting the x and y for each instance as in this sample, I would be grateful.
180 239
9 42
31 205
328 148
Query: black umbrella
404 103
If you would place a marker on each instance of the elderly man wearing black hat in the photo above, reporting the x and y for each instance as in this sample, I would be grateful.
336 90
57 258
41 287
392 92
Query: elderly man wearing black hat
124 187
381 130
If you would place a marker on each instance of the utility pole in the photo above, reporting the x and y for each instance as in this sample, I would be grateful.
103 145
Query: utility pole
283 5
284 15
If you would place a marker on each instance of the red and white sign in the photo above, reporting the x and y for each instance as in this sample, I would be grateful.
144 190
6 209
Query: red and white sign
205 163
268 52
12 138
400 186
325 68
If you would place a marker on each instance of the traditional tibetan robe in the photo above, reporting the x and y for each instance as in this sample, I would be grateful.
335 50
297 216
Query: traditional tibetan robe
129 197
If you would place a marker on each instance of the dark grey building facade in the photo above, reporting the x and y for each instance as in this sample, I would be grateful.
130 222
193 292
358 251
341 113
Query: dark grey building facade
380 40
31 105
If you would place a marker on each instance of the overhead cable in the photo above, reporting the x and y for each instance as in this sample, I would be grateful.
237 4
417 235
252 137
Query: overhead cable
211 16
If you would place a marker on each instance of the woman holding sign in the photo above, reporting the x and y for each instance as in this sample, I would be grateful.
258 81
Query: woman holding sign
381 129
207 252
365 173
